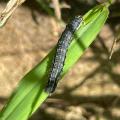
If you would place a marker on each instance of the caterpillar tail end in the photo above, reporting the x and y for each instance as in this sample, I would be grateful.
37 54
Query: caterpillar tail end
50 88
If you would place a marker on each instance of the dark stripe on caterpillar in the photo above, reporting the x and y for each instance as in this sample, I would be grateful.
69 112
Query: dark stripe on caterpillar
60 55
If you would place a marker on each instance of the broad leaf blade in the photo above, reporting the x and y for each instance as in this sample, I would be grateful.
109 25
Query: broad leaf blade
30 93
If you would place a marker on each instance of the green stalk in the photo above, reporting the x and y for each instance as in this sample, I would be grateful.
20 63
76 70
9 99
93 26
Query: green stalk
45 7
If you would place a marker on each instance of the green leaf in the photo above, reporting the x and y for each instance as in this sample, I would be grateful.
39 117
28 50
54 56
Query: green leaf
30 92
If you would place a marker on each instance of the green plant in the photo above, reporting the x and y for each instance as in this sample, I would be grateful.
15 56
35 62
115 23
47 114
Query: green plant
45 7
30 92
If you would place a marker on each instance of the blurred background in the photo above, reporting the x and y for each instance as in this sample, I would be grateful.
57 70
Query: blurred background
91 89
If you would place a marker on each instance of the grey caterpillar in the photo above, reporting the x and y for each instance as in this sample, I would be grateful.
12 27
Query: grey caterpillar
60 55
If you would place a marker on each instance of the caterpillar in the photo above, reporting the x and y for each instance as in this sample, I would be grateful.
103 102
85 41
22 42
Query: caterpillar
60 55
